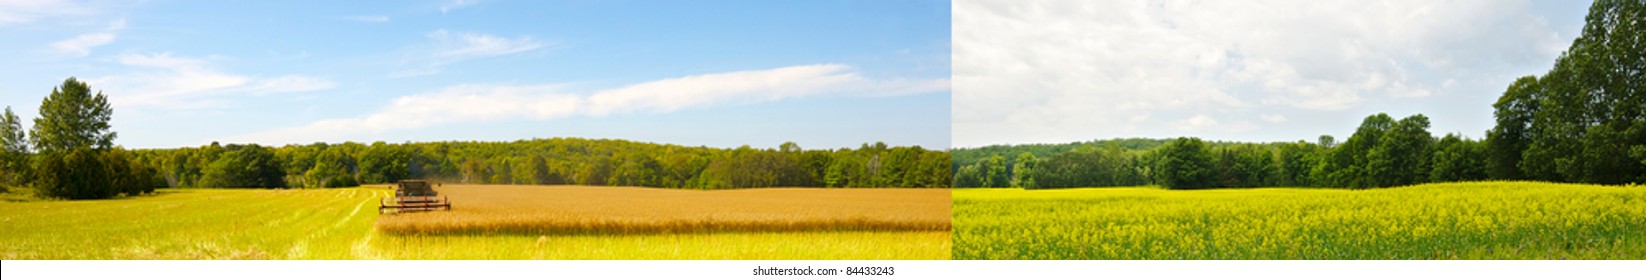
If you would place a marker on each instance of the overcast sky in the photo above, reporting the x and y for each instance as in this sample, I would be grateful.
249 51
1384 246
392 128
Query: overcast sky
825 74
1062 71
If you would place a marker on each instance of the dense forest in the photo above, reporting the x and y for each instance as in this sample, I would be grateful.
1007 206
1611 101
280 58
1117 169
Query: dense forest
1583 122
548 161
70 153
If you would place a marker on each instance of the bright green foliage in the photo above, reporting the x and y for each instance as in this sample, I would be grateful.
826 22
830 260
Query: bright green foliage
1023 171
968 176
1507 141
84 173
1109 165
643 170
383 163
1185 164
331 170
995 174
249 166
1296 160
72 117
1475 220
1401 156
1458 159
578 161
77 158
14 151
1584 119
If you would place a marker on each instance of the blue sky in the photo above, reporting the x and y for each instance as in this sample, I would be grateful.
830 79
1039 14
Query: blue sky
825 74
1063 71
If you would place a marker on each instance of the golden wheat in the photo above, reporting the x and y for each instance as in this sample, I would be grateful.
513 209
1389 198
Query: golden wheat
582 209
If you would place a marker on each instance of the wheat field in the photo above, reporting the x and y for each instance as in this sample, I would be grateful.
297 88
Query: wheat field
1475 220
487 209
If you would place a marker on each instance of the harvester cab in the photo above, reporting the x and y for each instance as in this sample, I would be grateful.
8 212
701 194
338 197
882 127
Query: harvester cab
413 196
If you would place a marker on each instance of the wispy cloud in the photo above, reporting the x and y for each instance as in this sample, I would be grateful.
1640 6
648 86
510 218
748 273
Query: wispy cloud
1273 118
82 45
446 47
460 46
483 102
1203 123
368 19
457 4
167 81
26 11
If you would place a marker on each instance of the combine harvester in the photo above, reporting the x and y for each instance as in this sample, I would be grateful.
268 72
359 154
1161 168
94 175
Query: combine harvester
413 196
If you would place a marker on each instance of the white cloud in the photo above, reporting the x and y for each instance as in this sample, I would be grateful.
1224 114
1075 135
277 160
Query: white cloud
457 4
289 83
1273 118
1053 71
471 45
483 103
1203 123
82 45
748 86
368 19
167 81
453 47
26 11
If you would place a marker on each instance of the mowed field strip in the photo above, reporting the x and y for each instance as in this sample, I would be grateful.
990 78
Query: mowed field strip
340 224
486 209
1474 220
195 224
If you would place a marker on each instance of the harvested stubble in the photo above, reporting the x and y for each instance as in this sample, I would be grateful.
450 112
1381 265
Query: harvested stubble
486 209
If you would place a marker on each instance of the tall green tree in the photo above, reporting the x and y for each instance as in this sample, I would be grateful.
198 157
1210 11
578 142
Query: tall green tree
994 172
1401 156
1588 121
14 150
1458 159
72 117
1346 164
1186 163
249 166
1507 141
1023 171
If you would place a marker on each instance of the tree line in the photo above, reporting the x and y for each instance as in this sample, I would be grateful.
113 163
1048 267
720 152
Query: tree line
1383 152
599 162
1581 122
70 153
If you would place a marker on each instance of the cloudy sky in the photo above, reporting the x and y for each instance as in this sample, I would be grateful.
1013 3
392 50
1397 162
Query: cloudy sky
1062 71
185 73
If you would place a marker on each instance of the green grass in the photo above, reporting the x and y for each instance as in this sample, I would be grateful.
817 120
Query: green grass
337 224
1477 220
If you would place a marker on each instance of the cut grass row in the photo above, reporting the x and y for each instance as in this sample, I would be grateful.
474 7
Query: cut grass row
1477 220
192 224
339 224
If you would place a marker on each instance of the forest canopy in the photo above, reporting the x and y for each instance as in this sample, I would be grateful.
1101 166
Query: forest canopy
599 162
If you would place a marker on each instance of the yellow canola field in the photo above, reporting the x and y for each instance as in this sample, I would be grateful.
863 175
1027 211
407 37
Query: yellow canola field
1474 220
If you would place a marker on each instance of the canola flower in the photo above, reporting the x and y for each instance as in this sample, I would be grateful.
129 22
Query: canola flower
1474 220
